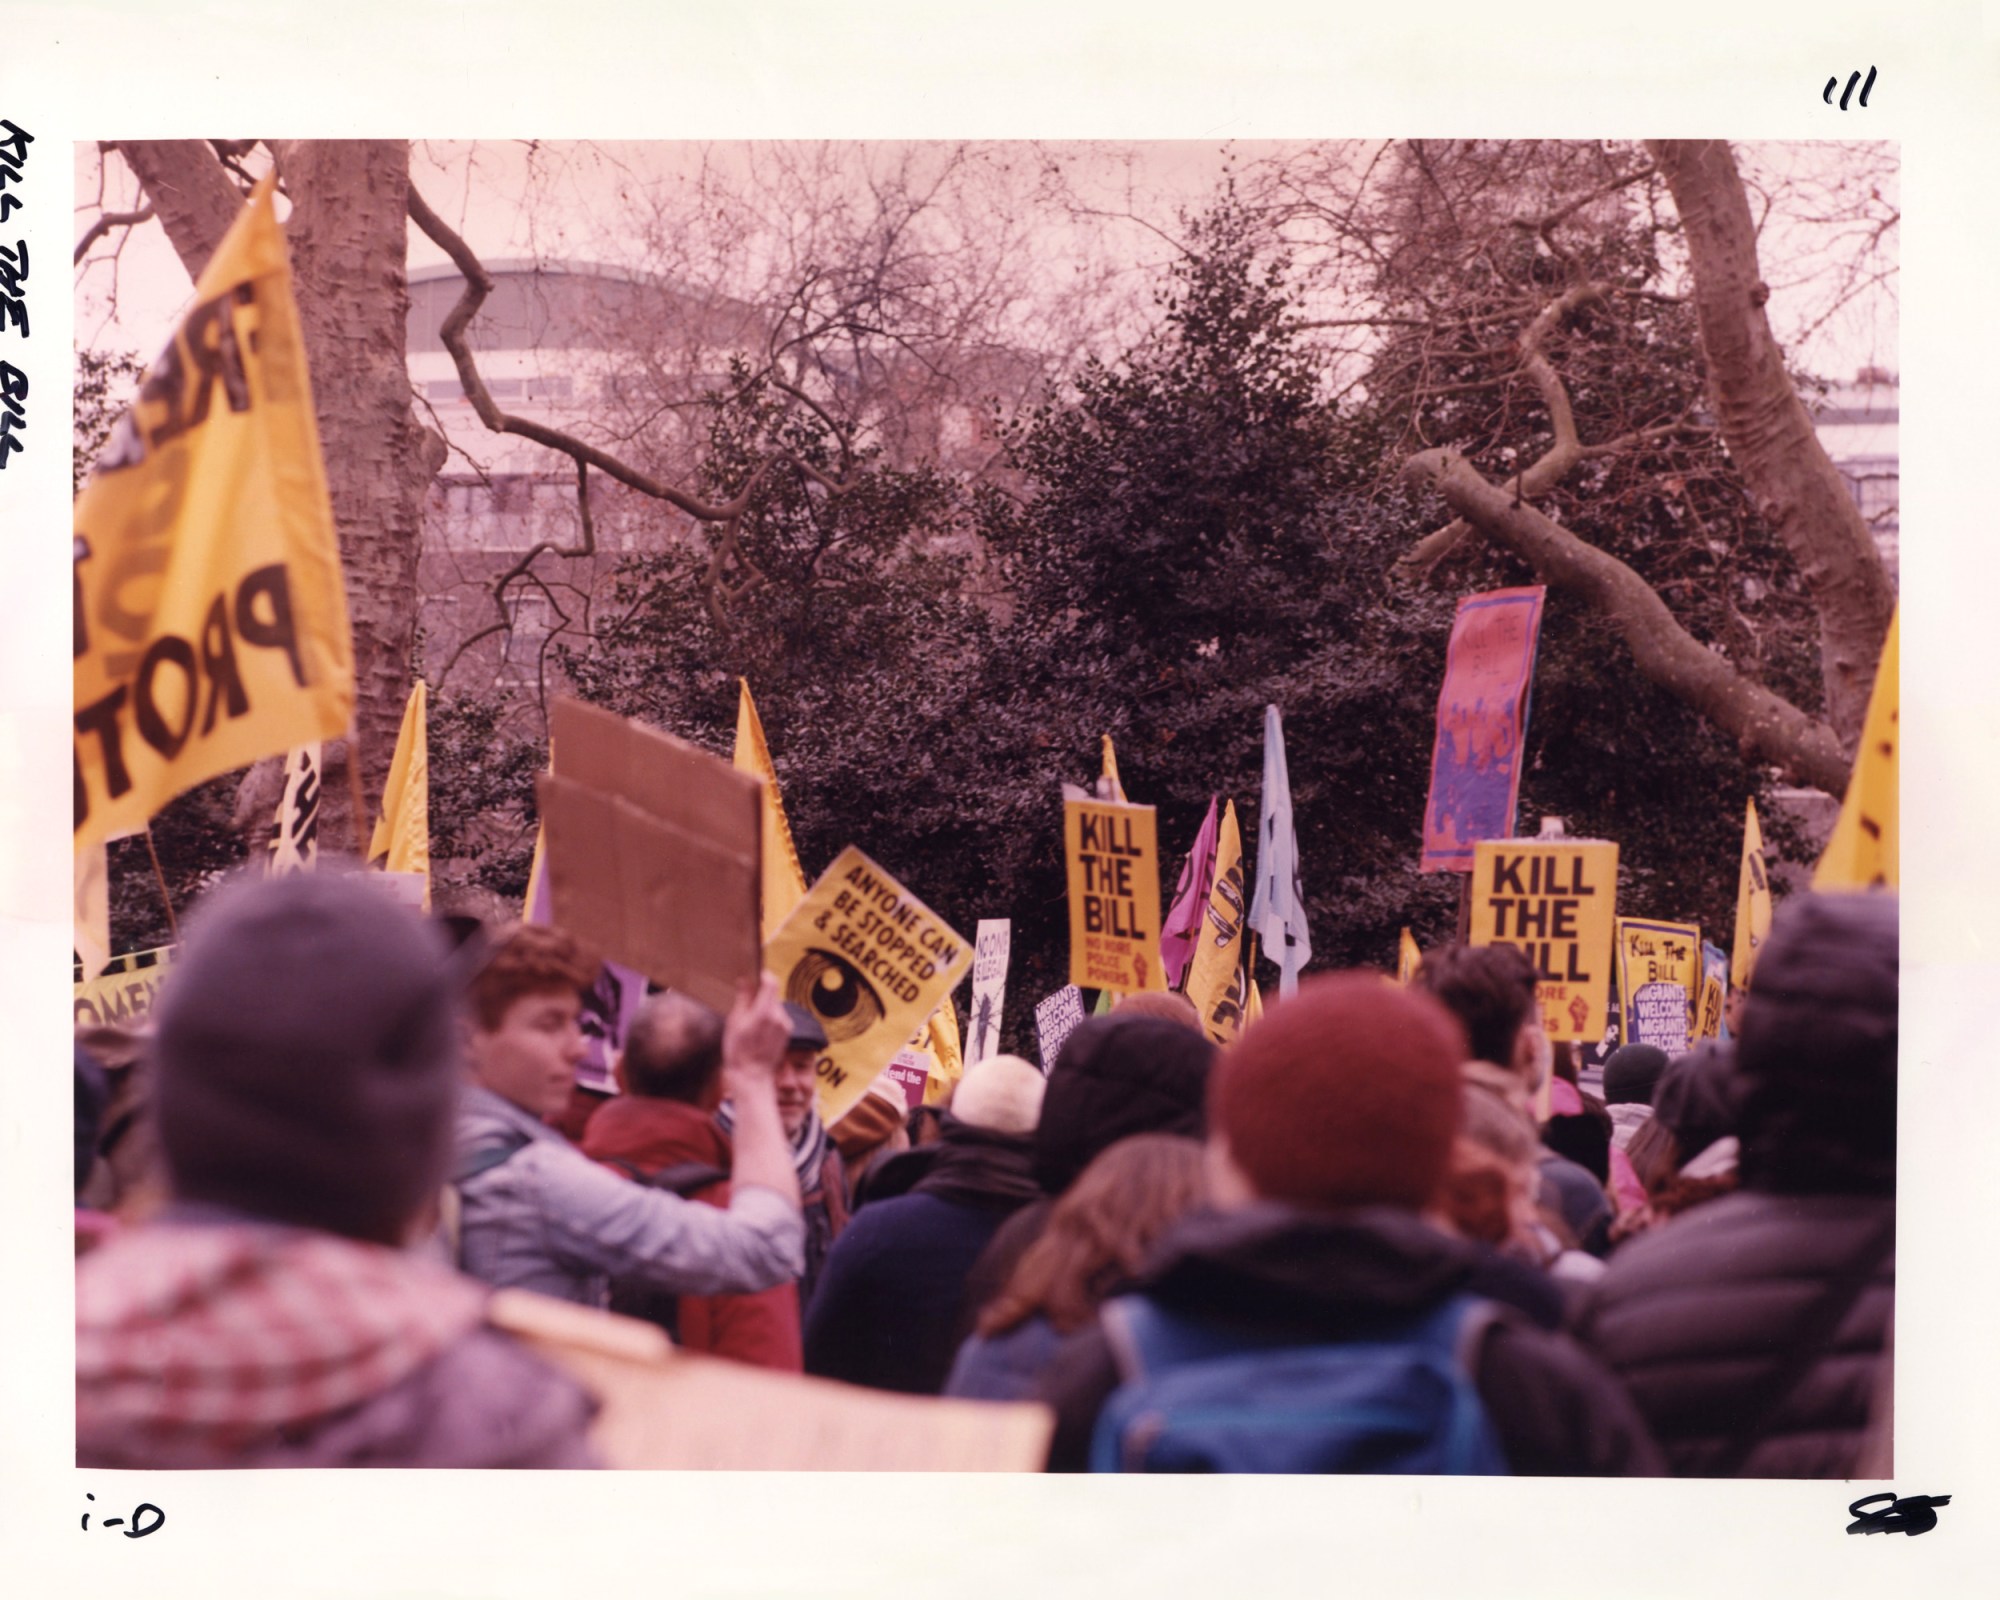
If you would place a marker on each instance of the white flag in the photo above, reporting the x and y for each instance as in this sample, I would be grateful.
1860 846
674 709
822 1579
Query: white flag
1278 914
295 844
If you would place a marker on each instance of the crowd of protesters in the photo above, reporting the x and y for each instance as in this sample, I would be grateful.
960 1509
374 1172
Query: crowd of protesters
1386 1229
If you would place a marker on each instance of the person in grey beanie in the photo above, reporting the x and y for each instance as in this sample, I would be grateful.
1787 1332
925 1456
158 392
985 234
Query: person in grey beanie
305 1071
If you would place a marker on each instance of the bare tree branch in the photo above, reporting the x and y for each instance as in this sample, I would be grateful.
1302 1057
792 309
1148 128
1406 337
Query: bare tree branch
104 224
1767 727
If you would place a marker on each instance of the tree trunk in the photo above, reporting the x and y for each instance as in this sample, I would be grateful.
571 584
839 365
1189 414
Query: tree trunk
1768 432
348 232
347 235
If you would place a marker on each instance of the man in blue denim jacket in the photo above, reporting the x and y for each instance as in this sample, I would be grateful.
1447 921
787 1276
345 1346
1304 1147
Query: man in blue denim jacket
536 1213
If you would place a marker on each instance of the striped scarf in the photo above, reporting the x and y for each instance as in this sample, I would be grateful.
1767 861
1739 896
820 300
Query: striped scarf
808 1147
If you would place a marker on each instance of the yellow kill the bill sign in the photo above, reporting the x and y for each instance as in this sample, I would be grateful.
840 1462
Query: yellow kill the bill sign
1114 896
1554 900
211 622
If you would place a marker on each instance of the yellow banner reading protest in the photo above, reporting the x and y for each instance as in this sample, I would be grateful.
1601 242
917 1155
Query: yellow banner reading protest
871 962
1114 896
1553 899
211 623
1659 982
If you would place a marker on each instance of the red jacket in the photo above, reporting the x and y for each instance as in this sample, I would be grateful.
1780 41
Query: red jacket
761 1329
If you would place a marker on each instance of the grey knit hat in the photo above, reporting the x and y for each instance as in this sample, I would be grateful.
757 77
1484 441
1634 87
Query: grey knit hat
306 1056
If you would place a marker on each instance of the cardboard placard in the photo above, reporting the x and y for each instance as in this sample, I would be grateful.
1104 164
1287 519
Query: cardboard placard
1114 896
1555 900
653 851
989 987
871 961
910 1071
1659 982
665 1409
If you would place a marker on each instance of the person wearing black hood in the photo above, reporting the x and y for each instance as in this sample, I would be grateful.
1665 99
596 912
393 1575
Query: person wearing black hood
1752 1332
1114 1076
886 1314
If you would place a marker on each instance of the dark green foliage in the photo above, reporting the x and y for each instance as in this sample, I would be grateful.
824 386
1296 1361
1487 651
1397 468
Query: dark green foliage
482 796
197 846
1199 532
105 381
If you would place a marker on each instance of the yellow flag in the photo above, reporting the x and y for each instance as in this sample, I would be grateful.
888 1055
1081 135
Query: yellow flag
210 618
1215 971
940 1038
1753 901
402 841
1408 959
784 878
1253 1004
1862 852
1114 790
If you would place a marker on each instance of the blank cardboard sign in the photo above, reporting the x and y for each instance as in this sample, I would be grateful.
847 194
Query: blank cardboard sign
652 851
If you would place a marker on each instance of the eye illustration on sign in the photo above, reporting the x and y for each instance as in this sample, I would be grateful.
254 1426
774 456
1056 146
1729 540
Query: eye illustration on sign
845 1003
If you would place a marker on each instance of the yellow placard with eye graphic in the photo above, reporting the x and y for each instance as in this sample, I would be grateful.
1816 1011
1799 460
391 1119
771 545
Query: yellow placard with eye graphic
871 961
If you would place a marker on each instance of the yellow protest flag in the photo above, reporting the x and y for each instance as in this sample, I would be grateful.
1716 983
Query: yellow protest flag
402 840
784 878
871 962
1862 852
940 1038
1215 977
1113 789
210 617
1408 959
1753 901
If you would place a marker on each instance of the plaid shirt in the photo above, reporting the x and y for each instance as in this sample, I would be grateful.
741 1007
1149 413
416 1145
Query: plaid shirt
210 1339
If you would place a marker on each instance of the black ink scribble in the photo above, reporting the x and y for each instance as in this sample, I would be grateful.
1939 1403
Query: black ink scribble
1913 1514
1852 79
140 1526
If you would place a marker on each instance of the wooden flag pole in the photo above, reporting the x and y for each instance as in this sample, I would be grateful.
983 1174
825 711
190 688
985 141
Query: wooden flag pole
354 792
160 877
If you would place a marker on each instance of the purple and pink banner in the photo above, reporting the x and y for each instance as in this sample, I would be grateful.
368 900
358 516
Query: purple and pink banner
1482 723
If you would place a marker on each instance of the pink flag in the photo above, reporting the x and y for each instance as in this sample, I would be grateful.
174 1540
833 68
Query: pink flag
1177 934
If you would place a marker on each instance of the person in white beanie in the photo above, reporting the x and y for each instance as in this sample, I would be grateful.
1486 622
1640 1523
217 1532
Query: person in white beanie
887 1313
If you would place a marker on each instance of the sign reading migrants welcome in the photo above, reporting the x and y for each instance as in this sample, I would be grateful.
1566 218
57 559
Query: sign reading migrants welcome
1114 896
871 961
1659 982
211 623
1554 900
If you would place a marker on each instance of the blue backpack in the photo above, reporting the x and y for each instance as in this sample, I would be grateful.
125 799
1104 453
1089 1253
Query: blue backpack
1201 1398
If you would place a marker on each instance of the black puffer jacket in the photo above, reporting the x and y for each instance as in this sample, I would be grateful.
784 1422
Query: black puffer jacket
1751 1331
1325 1276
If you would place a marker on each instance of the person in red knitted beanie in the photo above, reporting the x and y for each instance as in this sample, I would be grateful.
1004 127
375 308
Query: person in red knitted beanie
1347 1094
1312 1317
